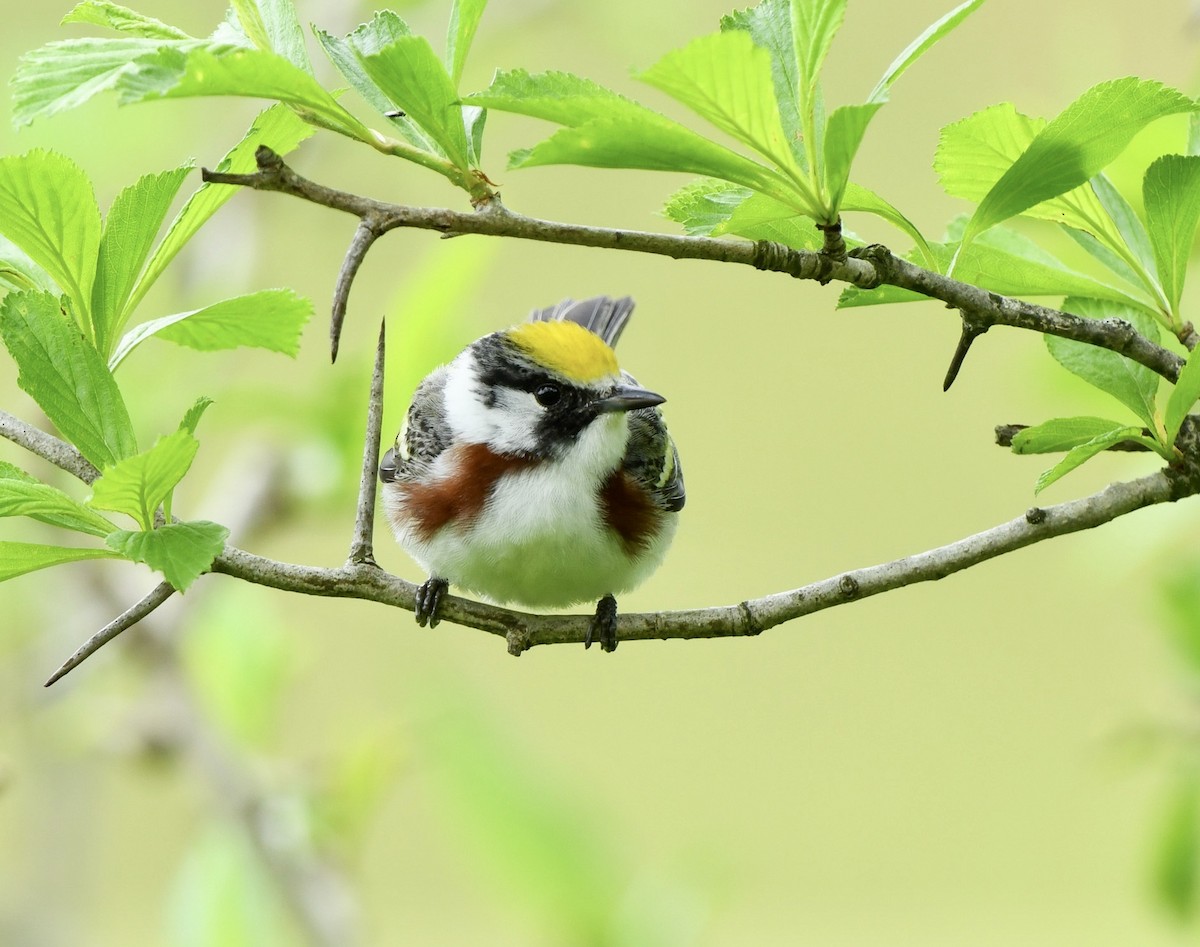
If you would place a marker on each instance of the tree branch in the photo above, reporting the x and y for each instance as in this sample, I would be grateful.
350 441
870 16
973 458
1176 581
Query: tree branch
127 619
751 617
867 267
362 580
362 548
48 447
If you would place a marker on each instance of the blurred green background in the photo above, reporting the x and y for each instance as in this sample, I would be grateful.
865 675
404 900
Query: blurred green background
972 761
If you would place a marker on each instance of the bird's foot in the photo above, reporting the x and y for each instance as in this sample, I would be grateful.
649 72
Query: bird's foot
429 600
603 626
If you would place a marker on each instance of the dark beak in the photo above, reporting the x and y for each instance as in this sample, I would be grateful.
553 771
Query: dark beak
387 467
627 398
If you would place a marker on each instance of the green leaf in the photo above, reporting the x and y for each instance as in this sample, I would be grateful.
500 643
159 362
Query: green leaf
273 26
138 485
558 97
194 413
1078 144
726 79
770 26
859 198
182 552
1171 190
66 376
1179 596
854 298
13 472
19 558
270 319
814 25
173 72
47 504
760 217
20 272
222 894
1134 385
122 19
464 20
1183 397
48 209
616 132
129 232
975 153
410 74
654 143
238 655
1105 256
1177 861
64 75
1084 452
918 47
279 128
702 206
383 29
1009 263
1131 230
1003 261
843 135
542 842
1061 434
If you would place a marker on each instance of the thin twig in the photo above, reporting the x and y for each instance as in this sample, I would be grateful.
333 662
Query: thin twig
867 267
362 548
364 236
48 447
127 619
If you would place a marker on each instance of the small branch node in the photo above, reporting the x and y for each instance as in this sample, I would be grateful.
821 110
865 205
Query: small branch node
880 258
848 587
1188 336
268 160
750 623
1184 472
1035 516
517 640
835 244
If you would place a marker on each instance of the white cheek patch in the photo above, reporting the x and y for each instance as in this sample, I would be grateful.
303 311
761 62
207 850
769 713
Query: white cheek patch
508 425
466 415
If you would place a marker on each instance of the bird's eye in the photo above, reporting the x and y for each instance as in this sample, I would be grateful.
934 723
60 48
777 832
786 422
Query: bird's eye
548 395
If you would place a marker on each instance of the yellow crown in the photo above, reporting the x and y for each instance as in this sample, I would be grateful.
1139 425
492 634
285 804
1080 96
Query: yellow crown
567 348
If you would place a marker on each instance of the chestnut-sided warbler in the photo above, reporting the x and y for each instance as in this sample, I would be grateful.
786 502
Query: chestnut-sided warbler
532 470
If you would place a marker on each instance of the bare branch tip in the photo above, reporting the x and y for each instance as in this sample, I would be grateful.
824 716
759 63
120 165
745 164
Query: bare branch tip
970 332
127 619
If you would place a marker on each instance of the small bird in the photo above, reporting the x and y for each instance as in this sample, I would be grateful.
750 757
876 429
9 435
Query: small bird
532 470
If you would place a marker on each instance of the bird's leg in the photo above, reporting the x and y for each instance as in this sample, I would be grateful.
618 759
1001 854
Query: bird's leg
429 599
603 626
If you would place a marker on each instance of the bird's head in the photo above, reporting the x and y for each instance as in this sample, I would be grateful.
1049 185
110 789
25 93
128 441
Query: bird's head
539 388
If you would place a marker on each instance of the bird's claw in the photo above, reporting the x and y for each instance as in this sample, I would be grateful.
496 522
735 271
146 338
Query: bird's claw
603 626
429 600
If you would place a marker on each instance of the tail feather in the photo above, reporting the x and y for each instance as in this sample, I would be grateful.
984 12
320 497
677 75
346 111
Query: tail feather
602 315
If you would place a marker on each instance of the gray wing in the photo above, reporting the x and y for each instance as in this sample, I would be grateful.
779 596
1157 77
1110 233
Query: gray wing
602 315
651 458
425 433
